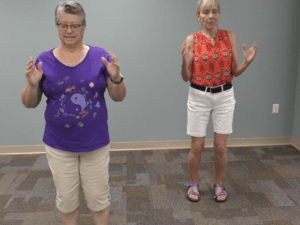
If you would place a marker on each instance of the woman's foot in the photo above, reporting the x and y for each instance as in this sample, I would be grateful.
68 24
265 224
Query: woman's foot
220 197
194 197
193 192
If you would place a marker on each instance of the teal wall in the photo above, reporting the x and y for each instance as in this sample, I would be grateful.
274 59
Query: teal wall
296 127
146 37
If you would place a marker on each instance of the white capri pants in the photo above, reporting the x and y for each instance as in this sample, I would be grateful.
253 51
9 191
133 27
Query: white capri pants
68 168
199 106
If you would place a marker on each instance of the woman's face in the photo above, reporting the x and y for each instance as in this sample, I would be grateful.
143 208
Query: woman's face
70 37
209 16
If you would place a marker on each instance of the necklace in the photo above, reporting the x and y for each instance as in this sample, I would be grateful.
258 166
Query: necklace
208 36
70 64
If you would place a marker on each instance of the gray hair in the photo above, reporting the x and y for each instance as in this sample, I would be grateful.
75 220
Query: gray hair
203 3
71 7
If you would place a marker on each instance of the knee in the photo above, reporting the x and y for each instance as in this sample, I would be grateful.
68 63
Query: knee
67 203
197 148
220 149
98 200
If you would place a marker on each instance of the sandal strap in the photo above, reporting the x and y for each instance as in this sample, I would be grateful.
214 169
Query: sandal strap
194 193
220 193
219 185
191 185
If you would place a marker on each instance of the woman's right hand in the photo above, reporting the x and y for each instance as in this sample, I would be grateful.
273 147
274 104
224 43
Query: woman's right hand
33 75
187 51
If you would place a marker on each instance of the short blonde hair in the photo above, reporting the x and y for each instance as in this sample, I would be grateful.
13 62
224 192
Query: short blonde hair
203 3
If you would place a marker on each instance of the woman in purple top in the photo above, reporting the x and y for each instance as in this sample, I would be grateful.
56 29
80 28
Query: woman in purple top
74 78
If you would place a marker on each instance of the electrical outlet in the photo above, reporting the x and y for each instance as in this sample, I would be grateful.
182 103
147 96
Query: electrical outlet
275 108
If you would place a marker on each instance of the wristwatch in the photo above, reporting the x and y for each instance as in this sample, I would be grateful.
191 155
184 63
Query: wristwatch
119 81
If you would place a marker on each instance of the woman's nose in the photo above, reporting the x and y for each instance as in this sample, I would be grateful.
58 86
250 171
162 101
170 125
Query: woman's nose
69 30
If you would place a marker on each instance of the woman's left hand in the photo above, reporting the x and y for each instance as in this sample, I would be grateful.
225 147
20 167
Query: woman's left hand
250 54
114 67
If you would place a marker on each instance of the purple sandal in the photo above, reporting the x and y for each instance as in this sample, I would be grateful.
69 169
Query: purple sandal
192 191
220 193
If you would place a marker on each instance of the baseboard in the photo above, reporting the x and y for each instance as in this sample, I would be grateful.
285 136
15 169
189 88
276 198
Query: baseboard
296 143
161 145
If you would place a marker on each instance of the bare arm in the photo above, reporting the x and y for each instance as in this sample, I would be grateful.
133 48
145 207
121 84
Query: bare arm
249 55
117 92
187 58
32 94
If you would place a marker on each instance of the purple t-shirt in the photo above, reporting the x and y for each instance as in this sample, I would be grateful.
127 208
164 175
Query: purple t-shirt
76 113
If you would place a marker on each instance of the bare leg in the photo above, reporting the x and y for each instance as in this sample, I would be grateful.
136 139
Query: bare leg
101 217
71 218
194 161
220 146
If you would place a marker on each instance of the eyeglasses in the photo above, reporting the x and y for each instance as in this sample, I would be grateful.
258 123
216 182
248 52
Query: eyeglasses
74 27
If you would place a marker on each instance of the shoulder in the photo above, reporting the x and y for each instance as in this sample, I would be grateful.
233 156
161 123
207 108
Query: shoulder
190 39
98 50
231 35
46 54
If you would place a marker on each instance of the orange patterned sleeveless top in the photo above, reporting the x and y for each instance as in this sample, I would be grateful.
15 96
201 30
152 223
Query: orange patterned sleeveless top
212 62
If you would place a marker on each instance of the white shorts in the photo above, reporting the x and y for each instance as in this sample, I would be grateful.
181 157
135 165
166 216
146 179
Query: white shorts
68 168
199 106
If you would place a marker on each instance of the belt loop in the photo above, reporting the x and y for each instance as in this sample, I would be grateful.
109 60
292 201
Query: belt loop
205 89
222 87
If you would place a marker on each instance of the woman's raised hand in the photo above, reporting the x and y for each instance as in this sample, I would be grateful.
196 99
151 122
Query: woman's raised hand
114 67
187 51
250 54
33 75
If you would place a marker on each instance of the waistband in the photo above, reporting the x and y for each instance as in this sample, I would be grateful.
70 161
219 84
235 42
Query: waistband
218 89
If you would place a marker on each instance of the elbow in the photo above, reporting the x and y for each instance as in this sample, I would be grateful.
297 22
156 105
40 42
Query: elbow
121 98
29 106
118 98
25 103
185 79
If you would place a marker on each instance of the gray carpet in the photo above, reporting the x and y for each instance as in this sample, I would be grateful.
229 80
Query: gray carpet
262 183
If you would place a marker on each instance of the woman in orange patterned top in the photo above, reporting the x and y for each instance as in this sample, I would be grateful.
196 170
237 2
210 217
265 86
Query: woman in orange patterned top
210 61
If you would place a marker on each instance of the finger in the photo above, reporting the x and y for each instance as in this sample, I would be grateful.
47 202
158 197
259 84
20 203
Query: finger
30 60
30 67
113 57
104 61
40 67
28 72
244 47
111 54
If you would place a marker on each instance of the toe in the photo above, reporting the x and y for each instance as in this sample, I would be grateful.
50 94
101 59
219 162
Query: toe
221 198
194 197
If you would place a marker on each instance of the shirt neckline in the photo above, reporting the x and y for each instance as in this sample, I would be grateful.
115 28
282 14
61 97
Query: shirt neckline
216 37
72 66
